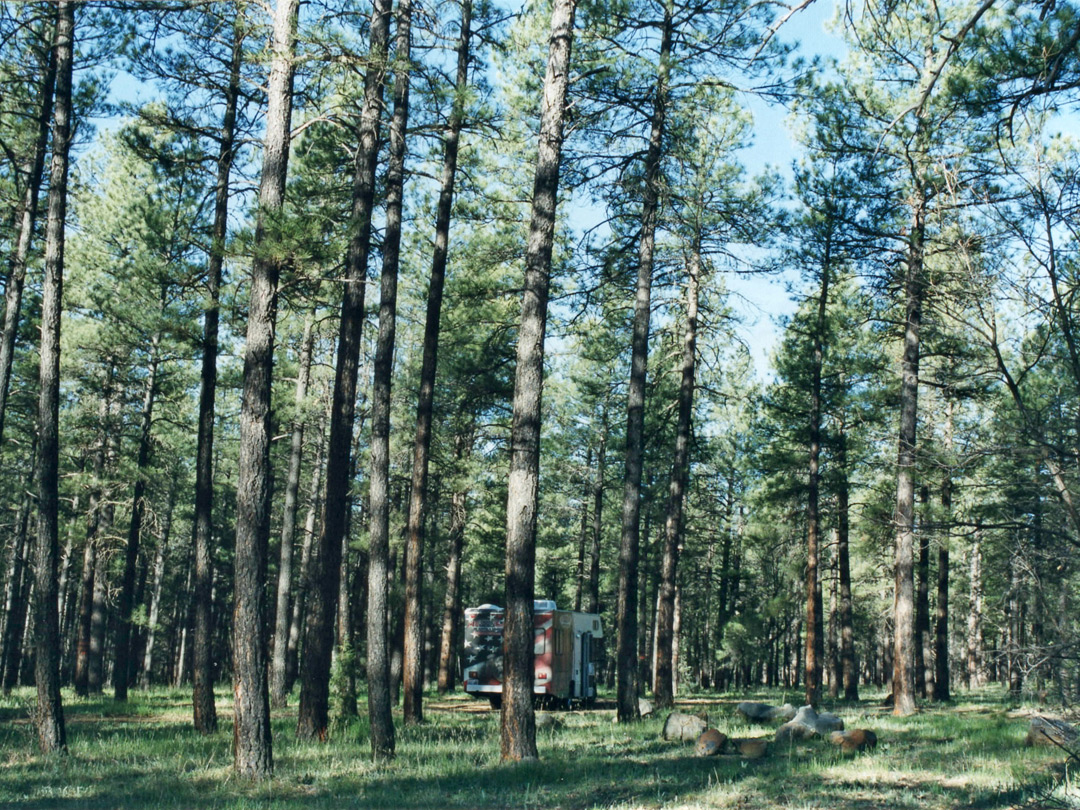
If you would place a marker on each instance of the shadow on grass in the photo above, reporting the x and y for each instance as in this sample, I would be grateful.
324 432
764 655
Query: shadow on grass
134 760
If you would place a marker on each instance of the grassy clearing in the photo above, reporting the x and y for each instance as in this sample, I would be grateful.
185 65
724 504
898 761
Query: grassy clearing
144 754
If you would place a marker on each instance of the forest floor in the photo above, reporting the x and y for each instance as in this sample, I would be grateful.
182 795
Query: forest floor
144 754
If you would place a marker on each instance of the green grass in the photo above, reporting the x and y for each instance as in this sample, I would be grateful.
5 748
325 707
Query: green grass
145 754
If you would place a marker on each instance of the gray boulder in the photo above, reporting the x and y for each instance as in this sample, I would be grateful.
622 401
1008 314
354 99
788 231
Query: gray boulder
807 723
754 712
684 727
792 732
645 708
785 713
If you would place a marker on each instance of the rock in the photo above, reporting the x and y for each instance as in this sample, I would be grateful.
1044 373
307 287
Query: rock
645 708
710 743
858 739
792 732
785 713
685 727
1048 731
828 722
821 723
806 724
754 712
754 748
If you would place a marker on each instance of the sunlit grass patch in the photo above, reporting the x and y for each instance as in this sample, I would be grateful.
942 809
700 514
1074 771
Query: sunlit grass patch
145 753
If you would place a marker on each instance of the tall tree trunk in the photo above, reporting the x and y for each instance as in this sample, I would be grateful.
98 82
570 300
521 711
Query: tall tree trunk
626 655
941 626
126 602
326 562
924 672
583 531
155 595
379 691
451 621
204 711
644 658
49 716
27 215
346 649
425 403
95 667
1014 629
518 722
974 623
278 680
904 521
832 647
95 678
16 597
815 647
303 584
843 564
597 515
680 478
252 747
62 607
80 678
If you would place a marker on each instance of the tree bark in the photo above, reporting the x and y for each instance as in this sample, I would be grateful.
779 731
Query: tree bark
941 627
924 672
126 601
451 621
380 690
832 646
843 563
626 656
16 598
597 516
204 710
27 215
155 595
346 649
278 680
303 583
326 559
95 675
974 623
518 721
425 402
583 531
680 478
252 746
815 647
904 521
80 678
49 717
